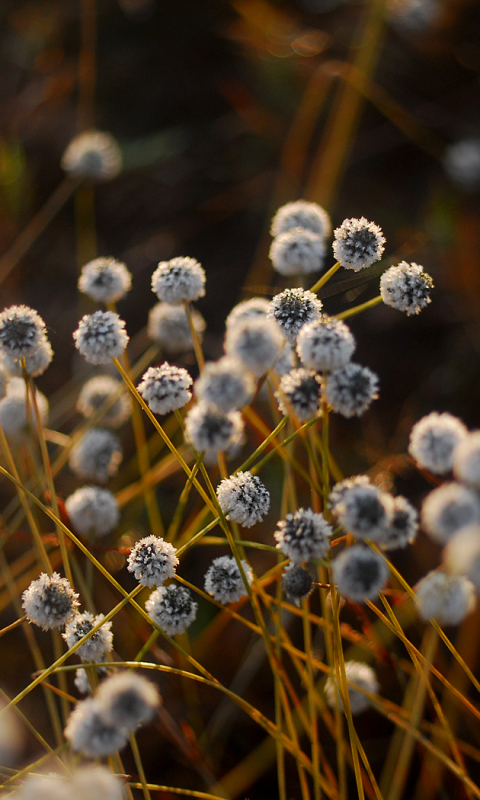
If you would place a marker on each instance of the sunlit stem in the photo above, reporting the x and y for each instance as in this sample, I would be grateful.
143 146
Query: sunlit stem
352 312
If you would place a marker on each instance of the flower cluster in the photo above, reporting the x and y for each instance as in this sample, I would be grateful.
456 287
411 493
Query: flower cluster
299 230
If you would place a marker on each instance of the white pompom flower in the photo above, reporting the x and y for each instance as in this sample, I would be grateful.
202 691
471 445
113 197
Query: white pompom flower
248 309
98 645
466 460
178 280
94 155
292 309
351 390
96 456
225 385
88 733
168 326
127 700
172 608
356 672
224 582
50 601
301 214
303 536
359 573
105 280
445 598
165 388
97 392
22 331
433 440
297 252
152 560
93 511
210 431
325 344
358 243
406 287
243 498
300 392
100 337
256 342
449 508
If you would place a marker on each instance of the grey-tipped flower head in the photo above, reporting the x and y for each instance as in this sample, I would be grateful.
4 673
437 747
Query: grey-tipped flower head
403 528
223 580
98 645
359 573
340 489
152 560
13 409
299 392
301 214
96 456
433 440
445 598
35 365
93 154
210 431
244 498
303 535
351 390
50 601
358 243
356 672
105 280
100 391
292 309
95 783
406 288
365 511
93 511
21 331
462 163
127 700
248 309
256 342
168 326
100 337
297 583
466 460
225 385
172 608
325 344
448 509
165 388
461 555
297 252
179 279
88 733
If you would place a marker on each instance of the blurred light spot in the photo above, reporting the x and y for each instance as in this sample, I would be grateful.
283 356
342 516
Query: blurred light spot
384 481
309 44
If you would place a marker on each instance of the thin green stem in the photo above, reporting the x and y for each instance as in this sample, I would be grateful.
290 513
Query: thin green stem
352 312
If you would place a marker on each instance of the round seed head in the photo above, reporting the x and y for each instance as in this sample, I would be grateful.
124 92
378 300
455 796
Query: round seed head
100 337
366 512
99 644
93 155
179 279
225 385
297 252
172 608
127 700
248 309
152 560
358 243
93 512
43 787
35 365
168 326
406 288
96 456
256 342
466 460
105 280
223 580
210 431
165 388
14 418
446 598
461 555
89 734
22 331
403 528
97 392
340 489
360 574
448 509
325 344
362 675
350 390
433 440
303 536
297 583
292 309
243 498
95 783
299 392
301 214
462 163
49 601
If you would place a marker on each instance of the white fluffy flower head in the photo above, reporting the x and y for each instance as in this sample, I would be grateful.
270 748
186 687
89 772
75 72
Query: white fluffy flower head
127 700
462 162
93 511
244 498
100 337
461 555
97 456
165 388
152 560
35 364
172 608
297 252
341 488
210 430
351 390
356 672
466 460
168 326
179 279
449 508
433 440
93 154
358 243
49 601
21 331
225 385
365 511
223 580
360 574
13 409
296 583
97 392
88 733
404 525
301 214
98 645
446 598
303 535
406 288
256 342
105 280
292 309
299 392
248 309
325 344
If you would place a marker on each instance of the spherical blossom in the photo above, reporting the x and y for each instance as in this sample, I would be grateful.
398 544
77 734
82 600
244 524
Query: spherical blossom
292 309
433 440
299 392
210 431
446 598
100 337
449 508
466 460
406 288
223 580
350 390
96 456
360 574
35 364
168 326
244 498
225 385
301 214
356 672
99 391
462 162
256 342
365 511
49 601
403 527
341 488
89 734
179 279
297 583
95 783
358 243
127 700
98 645
93 154
21 331
152 560
165 388
325 344
105 280
461 555
248 309
303 535
43 787
93 512
297 252
172 608
14 418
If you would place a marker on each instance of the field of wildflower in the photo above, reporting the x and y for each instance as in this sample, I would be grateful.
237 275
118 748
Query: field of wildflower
239 400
